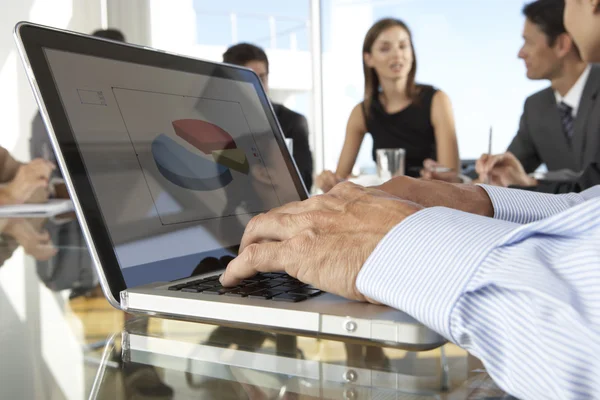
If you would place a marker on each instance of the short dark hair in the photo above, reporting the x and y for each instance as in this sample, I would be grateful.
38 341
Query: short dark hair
548 15
112 34
243 53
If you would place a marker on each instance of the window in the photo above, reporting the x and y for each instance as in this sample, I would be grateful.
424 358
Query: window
467 48
205 29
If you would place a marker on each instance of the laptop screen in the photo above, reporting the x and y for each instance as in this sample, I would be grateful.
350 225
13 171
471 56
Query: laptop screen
178 162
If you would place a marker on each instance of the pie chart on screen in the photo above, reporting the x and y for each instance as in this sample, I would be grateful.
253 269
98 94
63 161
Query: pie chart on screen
191 170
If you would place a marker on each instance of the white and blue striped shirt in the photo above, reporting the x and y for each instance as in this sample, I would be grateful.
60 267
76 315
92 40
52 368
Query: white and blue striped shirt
521 291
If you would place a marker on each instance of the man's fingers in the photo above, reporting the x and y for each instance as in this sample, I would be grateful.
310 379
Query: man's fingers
264 257
279 227
268 227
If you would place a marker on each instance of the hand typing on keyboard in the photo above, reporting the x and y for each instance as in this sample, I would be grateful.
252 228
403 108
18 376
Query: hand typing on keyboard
323 241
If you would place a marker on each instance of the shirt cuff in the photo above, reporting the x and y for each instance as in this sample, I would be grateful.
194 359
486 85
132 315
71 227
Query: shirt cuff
423 264
523 206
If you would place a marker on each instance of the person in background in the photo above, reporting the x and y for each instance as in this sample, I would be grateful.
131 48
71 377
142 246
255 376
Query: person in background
396 111
560 125
39 143
511 276
293 125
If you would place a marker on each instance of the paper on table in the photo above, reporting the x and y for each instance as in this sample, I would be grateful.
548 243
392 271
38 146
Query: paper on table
50 208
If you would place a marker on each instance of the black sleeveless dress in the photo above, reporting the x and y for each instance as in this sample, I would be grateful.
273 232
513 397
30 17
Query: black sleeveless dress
409 129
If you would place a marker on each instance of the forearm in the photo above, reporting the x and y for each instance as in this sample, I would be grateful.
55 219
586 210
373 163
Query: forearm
468 198
522 206
345 165
509 294
447 153
511 205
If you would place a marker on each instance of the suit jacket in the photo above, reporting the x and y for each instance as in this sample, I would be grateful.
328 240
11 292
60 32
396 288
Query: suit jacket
295 127
541 139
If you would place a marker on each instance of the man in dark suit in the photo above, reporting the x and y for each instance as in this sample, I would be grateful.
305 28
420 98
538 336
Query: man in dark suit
560 125
294 125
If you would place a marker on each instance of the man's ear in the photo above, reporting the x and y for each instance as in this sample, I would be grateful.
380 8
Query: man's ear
596 6
564 44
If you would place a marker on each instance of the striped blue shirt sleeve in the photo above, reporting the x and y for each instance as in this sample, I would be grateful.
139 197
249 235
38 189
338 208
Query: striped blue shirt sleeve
525 299
523 206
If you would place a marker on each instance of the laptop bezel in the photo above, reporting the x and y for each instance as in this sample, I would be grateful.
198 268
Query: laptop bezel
32 39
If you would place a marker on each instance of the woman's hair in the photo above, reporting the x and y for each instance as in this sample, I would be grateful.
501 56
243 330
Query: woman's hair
371 79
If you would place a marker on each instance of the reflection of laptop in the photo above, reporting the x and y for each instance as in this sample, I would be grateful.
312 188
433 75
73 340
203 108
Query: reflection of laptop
199 153
273 374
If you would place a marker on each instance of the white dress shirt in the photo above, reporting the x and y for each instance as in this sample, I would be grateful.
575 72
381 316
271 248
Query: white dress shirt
520 291
573 96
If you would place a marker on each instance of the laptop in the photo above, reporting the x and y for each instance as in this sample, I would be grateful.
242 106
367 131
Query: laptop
166 159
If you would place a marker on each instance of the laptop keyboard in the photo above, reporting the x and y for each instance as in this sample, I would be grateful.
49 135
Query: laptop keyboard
268 286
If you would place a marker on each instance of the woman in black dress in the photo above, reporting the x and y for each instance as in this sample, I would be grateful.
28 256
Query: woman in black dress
396 111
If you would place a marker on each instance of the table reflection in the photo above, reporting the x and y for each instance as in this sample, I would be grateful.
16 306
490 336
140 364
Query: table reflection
176 359
58 246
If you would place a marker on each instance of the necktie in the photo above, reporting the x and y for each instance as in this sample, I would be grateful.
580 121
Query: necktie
566 118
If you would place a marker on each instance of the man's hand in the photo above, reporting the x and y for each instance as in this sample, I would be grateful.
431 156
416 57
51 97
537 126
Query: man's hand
35 243
29 178
323 241
327 180
503 170
429 172
468 198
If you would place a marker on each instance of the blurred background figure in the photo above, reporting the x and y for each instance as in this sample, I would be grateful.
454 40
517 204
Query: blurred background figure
396 111
293 124
560 126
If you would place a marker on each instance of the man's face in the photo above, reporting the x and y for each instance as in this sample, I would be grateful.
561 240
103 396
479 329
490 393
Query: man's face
582 21
541 60
260 67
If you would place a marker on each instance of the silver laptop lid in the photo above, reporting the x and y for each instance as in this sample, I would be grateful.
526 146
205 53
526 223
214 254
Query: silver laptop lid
167 157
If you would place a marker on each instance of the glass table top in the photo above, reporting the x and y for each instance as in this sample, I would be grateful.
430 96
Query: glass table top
60 339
